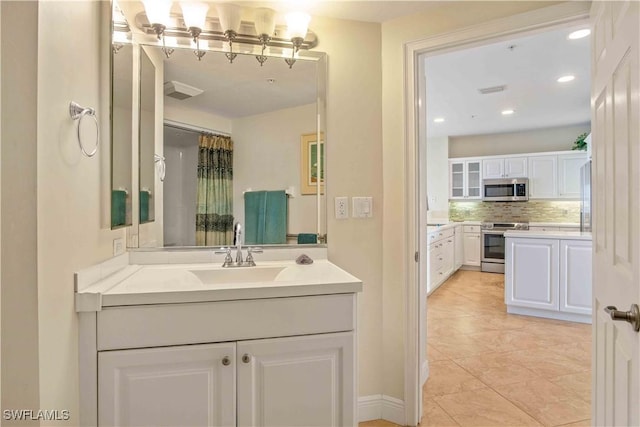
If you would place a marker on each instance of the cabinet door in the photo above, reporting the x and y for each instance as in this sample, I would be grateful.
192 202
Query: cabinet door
449 256
569 175
575 276
472 249
456 180
167 386
297 381
458 248
531 273
493 168
515 167
543 178
474 179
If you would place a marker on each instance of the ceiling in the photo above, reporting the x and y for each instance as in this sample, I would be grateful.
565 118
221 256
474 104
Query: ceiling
528 66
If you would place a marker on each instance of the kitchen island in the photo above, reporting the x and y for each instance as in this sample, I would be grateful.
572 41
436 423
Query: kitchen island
548 274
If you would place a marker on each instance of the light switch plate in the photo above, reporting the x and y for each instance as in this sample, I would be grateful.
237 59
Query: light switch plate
342 207
118 246
362 207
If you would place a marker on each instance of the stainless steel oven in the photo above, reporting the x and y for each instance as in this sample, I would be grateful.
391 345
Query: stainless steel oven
492 244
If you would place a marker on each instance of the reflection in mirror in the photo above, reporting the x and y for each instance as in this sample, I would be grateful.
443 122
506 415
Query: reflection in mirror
147 139
121 124
232 143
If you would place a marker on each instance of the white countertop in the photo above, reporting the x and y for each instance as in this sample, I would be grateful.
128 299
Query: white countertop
565 235
182 283
554 224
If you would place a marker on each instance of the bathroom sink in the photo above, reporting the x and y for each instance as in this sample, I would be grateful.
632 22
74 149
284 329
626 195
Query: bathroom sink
220 276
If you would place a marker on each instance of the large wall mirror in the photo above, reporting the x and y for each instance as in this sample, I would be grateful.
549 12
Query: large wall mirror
240 142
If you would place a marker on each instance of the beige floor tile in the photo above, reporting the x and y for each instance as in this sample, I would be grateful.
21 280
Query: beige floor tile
545 363
509 340
456 346
546 402
580 384
377 423
445 377
434 415
483 408
434 355
583 423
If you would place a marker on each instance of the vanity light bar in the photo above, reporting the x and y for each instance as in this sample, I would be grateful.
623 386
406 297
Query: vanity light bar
213 31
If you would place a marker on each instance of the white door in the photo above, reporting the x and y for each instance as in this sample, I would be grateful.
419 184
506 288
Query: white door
298 381
615 106
493 168
168 386
515 167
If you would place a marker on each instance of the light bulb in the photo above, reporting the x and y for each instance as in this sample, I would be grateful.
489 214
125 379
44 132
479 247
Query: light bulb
297 24
265 20
158 11
229 15
194 14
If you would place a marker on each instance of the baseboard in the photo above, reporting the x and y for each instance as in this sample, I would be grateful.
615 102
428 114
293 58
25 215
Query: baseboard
424 373
381 407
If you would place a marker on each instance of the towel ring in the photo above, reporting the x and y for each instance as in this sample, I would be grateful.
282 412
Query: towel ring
78 113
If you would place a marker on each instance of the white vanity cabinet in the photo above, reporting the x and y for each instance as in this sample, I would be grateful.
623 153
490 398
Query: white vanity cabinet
548 277
279 353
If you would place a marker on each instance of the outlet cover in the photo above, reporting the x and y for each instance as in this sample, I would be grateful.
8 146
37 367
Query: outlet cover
362 207
118 246
342 207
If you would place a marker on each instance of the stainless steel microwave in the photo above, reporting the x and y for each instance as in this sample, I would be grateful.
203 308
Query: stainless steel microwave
505 190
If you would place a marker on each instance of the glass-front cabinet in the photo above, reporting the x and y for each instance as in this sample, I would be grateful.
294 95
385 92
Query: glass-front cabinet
465 177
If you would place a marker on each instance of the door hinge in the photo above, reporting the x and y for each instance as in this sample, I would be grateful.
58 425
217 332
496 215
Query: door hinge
416 256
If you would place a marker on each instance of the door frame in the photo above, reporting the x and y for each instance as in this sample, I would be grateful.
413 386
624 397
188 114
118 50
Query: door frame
543 19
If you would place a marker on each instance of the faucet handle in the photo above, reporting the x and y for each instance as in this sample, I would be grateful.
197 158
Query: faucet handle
228 260
250 252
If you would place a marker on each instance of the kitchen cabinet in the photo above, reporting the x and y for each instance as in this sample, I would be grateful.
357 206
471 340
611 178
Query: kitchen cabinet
471 245
458 247
465 179
216 363
543 177
569 174
548 277
510 167
441 261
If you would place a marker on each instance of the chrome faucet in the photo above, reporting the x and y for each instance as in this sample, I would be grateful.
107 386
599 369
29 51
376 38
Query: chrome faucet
237 241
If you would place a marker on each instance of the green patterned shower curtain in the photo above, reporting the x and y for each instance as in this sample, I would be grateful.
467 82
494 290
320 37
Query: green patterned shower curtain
214 211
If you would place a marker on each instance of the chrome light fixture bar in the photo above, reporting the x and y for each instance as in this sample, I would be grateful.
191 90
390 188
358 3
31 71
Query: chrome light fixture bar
230 31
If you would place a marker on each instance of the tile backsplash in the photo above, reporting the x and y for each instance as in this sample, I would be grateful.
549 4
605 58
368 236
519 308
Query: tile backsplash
531 211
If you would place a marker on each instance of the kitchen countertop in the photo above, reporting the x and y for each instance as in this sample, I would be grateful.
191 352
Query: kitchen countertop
566 235
554 224
182 283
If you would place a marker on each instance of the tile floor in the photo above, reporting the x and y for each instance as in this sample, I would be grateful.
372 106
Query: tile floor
490 368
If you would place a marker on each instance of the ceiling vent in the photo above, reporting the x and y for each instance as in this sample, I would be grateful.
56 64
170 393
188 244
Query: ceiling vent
180 90
492 89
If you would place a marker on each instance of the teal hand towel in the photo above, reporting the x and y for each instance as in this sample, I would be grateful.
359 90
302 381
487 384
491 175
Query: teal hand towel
254 217
275 229
118 208
307 238
144 206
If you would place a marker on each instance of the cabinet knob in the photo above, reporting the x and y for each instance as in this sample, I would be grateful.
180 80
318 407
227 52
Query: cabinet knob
246 358
226 361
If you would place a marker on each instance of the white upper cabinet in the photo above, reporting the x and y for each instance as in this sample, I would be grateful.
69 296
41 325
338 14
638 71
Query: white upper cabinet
543 177
569 174
510 167
465 179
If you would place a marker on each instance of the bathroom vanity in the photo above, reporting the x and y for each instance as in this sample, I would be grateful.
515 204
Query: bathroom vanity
198 344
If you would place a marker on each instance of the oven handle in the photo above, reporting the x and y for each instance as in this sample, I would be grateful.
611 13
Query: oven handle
492 231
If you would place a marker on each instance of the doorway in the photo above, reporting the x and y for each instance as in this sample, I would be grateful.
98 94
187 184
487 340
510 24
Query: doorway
417 130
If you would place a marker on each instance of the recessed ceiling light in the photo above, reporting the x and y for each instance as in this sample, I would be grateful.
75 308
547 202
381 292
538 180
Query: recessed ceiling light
566 78
438 120
507 112
580 34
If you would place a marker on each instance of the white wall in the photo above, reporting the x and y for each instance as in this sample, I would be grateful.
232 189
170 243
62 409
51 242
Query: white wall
437 178
19 351
71 188
559 138
267 157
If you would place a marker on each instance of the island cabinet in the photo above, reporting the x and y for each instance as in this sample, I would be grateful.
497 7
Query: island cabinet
548 277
